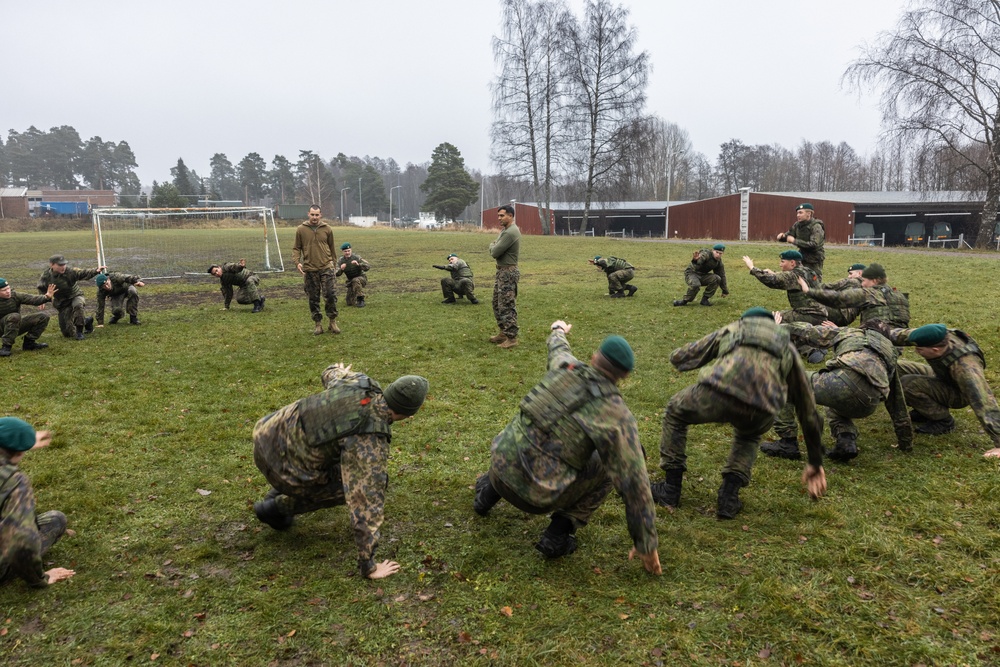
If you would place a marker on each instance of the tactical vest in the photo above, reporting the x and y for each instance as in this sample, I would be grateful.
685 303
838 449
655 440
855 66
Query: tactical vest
797 299
352 271
616 264
342 410
968 346
756 332
871 340
896 310
550 406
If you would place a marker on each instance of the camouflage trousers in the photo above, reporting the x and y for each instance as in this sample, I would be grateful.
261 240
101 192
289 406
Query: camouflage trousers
71 315
934 398
577 502
505 299
51 526
842 317
846 394
451 287
126 302
322 283
617 280
356 289
695 281
31 326
701 404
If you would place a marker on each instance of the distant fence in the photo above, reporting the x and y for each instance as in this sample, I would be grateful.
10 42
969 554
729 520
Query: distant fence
866 240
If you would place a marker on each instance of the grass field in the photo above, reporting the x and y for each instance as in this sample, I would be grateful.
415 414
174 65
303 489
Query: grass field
897 565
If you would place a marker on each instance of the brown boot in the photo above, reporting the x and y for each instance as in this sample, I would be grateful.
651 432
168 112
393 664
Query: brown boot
509 343
333 327
499 338
318 329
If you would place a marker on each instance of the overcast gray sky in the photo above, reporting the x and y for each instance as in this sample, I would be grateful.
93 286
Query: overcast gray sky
395 78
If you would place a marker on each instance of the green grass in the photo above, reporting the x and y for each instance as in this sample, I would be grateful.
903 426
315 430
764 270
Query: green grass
897 565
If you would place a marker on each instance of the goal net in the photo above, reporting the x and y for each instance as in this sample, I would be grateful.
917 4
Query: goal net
174 242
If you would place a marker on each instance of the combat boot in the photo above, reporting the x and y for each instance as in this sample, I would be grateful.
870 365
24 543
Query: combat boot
705 301
5 351
729 504
258 305
632 289
558 539
681 302
79 333
486 496
114 319
134 320
30 344
267 512
936 426
318 329
917 417
816 356
785 448
499 338
668 492
361 302
88 325
450 299
473 300
509 343
845 449
333 327
620 294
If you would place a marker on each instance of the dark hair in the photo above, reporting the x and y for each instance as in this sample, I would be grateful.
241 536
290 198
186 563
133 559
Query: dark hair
214 266
315 206
506 207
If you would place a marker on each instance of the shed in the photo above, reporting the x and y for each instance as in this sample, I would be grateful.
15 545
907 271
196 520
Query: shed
13 202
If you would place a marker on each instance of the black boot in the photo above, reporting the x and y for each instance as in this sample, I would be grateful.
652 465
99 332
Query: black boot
88 325
668 492
632 289
816 356
845 449
486 496
114 318
258 305
620 294
267 511
786 448
705 301
729 504
79 333
917 417
681 302
558 539
5 351
450 299
936 426
473 300
30 344
361 302
134 319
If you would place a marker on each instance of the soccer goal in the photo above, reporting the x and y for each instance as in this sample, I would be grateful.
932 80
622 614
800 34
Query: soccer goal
174 242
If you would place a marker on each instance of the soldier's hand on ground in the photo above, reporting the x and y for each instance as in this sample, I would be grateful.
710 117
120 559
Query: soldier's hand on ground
802 285
99 326
815 480
591 261
42 439
748 262
992 453
59 574
777 316
559 324
649 561
386 568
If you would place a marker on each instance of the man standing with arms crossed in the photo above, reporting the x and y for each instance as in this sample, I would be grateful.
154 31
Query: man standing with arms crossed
505 251
313 255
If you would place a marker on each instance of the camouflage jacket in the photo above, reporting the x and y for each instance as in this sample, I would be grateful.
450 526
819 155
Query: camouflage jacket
536 466
612 264
810 235
789 281
16 300
842 284
506 249
756 364
704 263
67 288
954 365
879 302
350 269
120 282
459 270
20 542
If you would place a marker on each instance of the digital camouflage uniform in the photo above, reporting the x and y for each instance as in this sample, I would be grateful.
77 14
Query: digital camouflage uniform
355 275
24 537
124 293
618 271
460 282
506 251
955 380
13 324
803 308
572 440
314 250
705 271
756 370
879 302
68 300
331 449
810 236
842 317
861 375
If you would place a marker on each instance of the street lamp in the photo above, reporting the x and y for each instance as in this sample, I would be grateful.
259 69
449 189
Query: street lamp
342 191
666 211
399 204
361 207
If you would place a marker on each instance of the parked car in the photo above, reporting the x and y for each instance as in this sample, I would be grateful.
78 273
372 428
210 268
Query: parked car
864 233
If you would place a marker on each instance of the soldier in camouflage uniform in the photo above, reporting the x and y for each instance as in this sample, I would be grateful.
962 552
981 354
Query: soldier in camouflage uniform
803 309
843 317
874 300
69 301
808 235
353 268
24 535
121 289
861 374
755 372
459 283
572 440
506 250
952 378
331 449
247 282
705 270
619 272
13 324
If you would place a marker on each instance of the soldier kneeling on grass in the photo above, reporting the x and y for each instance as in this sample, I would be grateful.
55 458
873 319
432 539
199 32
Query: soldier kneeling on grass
331 449
572 440
459 283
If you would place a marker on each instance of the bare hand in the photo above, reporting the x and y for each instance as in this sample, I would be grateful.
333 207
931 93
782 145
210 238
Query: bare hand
591 261
802 285
99 326
650 561
59 574
789 239
781 237
42 439
725 294
140 284
343 266
815 480
777 316
243 261
102 269
354 262
748 262
51 291
992 453
562 325
828 323
386 568
299 267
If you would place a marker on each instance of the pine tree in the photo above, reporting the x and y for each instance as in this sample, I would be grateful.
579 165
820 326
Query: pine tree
449 187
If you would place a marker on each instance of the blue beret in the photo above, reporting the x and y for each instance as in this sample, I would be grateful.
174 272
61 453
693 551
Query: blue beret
791 254
757 311
928 335
16 435
617 350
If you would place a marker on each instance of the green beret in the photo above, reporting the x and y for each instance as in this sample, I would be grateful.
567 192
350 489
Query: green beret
806 205
617 350
928 335
101 279
856 267
873 271
719 247
16 435
406 394
791 254
756 311
452 255
345 246
3 283
596 257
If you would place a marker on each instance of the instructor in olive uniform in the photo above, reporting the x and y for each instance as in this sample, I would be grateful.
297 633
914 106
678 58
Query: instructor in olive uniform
506 250
313 255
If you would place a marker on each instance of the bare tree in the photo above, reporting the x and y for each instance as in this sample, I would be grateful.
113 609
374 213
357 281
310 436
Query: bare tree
609 87
651 147
939 73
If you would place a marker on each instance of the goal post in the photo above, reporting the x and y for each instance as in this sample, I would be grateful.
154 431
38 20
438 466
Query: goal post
174 242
